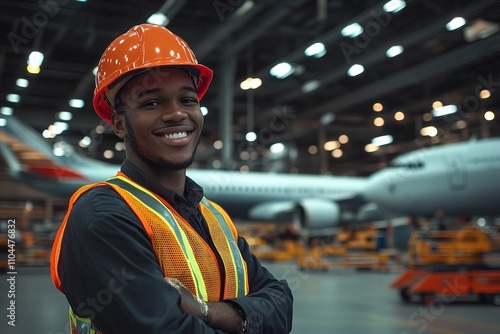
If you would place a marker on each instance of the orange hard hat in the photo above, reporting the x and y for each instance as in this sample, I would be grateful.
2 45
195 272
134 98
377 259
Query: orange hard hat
143 47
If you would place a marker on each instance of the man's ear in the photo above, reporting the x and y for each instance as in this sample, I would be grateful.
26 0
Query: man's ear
118 123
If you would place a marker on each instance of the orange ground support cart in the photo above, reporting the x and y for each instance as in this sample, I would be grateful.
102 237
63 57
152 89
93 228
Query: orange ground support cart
449 265
449 283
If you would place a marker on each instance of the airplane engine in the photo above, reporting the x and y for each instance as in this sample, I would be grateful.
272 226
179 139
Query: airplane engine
316 213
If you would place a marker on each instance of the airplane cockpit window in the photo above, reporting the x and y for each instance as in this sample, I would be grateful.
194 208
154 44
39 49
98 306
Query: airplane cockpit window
408 165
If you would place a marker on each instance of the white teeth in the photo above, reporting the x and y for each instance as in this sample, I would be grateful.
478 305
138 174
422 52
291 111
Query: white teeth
176 135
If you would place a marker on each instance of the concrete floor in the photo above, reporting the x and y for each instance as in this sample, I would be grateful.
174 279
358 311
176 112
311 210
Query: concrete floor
337 301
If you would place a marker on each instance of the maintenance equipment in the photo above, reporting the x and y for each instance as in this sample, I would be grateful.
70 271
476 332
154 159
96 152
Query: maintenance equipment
448 265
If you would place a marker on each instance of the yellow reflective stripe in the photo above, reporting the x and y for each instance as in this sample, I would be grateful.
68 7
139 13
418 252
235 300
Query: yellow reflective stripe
239 267
82 325
163 212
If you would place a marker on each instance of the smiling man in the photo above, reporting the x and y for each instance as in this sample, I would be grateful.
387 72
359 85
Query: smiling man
145 251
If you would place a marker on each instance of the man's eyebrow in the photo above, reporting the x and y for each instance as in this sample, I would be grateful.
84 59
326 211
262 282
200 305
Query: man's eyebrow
147 91
155 90
189 89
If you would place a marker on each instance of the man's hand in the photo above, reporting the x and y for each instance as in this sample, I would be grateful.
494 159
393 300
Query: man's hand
220 315
189 302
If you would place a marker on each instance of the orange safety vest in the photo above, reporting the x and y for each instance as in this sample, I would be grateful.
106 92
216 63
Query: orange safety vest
180 250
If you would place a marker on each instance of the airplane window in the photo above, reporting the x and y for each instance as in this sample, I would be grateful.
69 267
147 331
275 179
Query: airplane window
408 165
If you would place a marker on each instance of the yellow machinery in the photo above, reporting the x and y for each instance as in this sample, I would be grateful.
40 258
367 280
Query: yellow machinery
351 249
272 242
465 246
457 261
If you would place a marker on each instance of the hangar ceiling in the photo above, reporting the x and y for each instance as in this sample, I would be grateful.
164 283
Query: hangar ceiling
319 102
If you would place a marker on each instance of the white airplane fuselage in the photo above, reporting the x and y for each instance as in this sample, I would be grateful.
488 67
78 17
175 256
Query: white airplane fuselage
460 178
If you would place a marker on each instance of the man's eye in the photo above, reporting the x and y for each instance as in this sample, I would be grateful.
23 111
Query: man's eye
189 100
151 103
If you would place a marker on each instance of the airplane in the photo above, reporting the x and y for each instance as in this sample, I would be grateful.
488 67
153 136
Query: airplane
458 178
461 177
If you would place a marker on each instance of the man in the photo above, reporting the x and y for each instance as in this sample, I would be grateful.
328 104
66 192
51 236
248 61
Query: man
145 252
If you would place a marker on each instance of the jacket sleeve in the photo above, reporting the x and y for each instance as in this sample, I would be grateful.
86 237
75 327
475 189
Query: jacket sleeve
111 274
268 307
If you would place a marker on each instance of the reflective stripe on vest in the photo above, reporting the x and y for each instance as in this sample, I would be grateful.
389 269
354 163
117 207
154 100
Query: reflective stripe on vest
239 267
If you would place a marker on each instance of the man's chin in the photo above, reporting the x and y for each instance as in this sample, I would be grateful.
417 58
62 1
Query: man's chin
172 166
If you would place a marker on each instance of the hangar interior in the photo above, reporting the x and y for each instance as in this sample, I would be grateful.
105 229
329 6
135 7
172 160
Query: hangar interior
325 87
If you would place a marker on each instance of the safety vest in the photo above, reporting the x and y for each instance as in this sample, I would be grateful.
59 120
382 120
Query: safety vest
180 250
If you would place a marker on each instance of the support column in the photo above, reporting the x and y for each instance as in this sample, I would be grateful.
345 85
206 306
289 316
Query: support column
226 98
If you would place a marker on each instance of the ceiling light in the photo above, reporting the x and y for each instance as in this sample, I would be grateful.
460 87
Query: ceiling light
218 144
64 115
379 121
378 107
337 153
282 70
352 30
394 6
35 58
277 148
23 83
313 149
437 104
316 50
255 83
430 131
444 110
33 69
395 50
94 71
331 145
85 142
480 29
369 148
489 115
461 124
100 129
204 111
108 154
343 139
355 69
119 146
14 98
251 136
310 86
427 117
3 122
382 140
76 103
455 23
243 9
250 83
399 116
158 19
7 111
327 118
58 127
484 94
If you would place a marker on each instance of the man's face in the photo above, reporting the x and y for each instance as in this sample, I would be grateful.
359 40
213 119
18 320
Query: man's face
161 121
